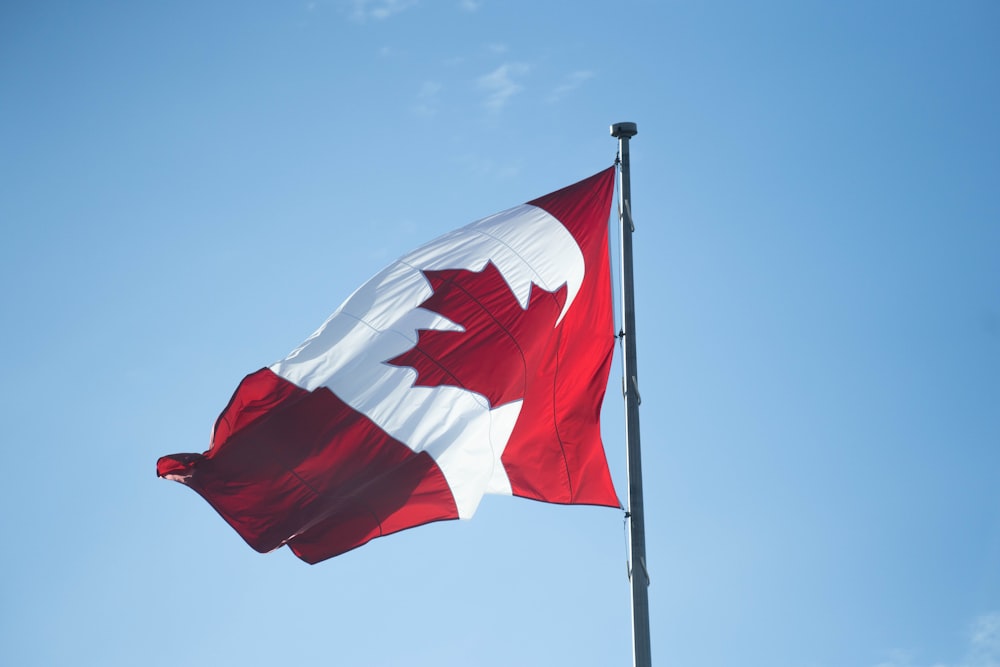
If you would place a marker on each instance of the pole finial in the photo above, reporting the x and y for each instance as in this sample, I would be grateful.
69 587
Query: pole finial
626 130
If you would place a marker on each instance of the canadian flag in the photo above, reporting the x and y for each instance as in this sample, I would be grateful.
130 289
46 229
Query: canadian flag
475 364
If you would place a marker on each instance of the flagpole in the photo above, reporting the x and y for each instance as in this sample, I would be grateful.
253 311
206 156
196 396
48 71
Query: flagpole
638 574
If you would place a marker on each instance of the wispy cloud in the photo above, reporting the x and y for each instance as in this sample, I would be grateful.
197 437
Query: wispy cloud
379 10
984 644
486 167
982 649
427 98
469 5
897 658
569 84
500 85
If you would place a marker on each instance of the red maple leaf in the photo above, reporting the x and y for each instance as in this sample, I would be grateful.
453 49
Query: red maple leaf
501 342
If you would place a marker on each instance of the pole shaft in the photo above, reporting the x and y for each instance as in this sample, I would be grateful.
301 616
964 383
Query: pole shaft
637 528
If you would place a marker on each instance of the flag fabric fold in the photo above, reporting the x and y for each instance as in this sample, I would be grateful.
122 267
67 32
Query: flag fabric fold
475 364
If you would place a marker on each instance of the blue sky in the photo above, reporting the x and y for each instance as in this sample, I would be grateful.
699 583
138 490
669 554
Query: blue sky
189 189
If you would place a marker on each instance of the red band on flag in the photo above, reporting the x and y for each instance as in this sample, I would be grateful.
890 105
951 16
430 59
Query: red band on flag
309 472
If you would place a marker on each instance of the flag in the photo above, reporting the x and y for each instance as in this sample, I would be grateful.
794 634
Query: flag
475 364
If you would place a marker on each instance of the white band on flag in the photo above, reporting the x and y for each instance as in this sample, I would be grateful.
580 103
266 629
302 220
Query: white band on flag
381 319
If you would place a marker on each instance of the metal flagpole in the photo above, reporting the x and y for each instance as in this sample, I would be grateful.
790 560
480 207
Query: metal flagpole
638 574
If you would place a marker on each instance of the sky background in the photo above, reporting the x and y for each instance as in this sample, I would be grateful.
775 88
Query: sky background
188 189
